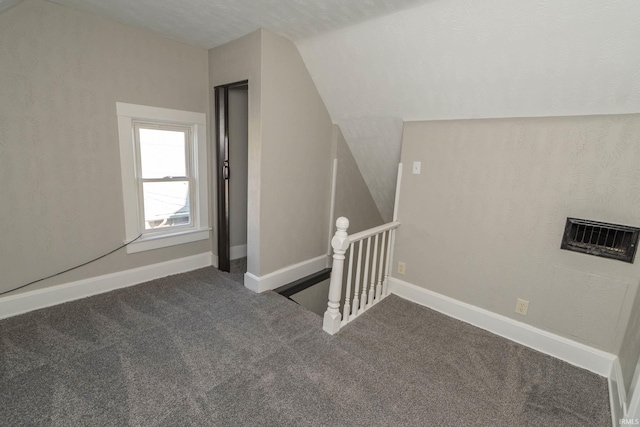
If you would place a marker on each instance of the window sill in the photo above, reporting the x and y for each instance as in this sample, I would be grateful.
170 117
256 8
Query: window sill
147 243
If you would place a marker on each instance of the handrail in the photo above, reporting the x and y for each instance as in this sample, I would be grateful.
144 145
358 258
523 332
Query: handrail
375 272
373 231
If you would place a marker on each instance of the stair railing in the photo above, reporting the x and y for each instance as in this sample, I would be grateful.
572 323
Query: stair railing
375 245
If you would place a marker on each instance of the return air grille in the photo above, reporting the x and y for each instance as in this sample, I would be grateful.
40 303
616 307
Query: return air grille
601 239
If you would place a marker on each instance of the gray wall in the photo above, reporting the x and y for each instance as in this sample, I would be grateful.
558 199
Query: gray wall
238 158
296 159
483 222
289 150
353 198
232 62
630 350
62 73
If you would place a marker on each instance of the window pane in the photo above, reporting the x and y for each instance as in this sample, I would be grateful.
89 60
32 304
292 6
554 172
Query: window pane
162 153
166 204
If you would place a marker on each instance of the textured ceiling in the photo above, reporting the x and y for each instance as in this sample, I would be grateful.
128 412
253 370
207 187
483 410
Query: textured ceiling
458 59
210 23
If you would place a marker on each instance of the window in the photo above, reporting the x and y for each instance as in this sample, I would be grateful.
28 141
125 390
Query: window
164 176
164 170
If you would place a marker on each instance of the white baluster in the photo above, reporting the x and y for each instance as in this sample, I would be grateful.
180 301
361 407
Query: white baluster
390 241
340 243
381 270
356 292
372 286
363 300
347 306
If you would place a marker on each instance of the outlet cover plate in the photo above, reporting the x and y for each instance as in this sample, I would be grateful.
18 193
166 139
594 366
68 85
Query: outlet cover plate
402 267
522 306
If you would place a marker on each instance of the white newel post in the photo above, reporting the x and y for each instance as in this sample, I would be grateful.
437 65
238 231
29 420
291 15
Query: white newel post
340 244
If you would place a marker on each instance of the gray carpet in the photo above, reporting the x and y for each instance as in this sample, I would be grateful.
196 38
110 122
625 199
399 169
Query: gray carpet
198 349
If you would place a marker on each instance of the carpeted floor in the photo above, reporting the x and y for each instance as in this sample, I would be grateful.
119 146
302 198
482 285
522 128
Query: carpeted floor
198 349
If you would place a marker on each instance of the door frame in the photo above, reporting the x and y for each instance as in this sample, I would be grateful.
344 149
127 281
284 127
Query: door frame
221 123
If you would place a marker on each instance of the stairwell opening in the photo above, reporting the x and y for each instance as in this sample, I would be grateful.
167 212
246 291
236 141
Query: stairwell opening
311 292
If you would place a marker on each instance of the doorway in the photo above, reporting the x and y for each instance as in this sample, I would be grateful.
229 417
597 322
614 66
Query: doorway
231 124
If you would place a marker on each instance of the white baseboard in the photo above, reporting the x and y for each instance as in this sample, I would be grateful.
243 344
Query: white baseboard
286 275
592 359
239 251
633 402
633 411
617 393
41 298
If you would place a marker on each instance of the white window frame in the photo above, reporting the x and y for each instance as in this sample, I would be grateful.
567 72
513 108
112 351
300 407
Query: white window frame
189 175
128 116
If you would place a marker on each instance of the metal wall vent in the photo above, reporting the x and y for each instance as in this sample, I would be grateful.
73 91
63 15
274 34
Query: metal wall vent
601 239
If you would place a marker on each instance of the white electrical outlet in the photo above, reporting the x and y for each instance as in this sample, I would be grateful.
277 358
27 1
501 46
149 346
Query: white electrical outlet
522 306
401 267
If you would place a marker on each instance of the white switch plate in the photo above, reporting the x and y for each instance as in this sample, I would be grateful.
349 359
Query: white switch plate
416 168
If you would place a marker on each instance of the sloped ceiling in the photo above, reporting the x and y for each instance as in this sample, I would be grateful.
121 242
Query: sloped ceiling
451 59
8 4
377 63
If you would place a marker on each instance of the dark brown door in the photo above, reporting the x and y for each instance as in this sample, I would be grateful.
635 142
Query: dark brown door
221 95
